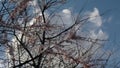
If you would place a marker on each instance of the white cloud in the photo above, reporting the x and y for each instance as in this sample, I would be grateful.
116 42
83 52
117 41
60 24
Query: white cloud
94 25
67 17
63 17
102 35
1 64
35 5
32 21
95 17
66 11
98 35
93 34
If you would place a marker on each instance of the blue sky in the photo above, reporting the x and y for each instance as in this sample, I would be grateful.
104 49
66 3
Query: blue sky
111 19
111 27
